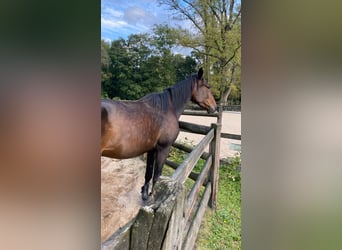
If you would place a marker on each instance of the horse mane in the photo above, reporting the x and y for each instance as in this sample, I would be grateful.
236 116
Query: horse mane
158 100
180 94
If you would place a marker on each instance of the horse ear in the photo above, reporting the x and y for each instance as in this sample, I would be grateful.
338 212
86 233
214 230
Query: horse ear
200 73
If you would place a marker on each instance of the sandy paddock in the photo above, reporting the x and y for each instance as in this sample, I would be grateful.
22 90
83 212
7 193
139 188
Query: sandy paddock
121 181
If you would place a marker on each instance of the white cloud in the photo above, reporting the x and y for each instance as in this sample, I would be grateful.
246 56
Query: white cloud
181 51
134 15
106 23
114 13
120 18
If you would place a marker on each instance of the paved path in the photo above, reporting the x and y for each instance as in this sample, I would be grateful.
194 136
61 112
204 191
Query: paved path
231 123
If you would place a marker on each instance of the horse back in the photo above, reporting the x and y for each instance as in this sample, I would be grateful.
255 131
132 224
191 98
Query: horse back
130 128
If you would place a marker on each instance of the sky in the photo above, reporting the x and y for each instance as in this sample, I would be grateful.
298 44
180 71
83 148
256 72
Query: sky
120 18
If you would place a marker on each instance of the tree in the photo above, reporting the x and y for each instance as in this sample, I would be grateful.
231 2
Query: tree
184 66
142 64
105 62
216 40
120 68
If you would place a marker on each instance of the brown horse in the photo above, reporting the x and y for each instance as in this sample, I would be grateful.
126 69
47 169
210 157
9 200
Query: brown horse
131 128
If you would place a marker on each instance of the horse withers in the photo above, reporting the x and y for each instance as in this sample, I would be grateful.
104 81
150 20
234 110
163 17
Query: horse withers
150 124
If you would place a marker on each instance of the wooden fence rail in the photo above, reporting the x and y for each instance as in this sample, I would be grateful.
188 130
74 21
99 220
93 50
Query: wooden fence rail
231 136
196 188
199 113
183 171
193 176
188 149
194 128
195 225
202 129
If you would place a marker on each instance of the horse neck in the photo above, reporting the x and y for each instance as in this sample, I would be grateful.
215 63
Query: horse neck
180 95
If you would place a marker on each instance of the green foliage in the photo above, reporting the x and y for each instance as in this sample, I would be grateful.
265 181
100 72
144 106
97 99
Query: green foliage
215 37
176 155
142 64
232 169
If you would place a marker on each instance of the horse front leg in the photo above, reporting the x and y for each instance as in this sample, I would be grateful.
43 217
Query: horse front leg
151 155
162 154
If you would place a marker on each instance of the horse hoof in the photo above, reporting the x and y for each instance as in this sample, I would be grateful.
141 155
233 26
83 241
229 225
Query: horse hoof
144 197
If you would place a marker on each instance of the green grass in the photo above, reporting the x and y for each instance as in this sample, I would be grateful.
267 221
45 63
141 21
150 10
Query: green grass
220 229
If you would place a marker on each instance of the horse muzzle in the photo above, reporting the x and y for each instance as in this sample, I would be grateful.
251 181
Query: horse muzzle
211 109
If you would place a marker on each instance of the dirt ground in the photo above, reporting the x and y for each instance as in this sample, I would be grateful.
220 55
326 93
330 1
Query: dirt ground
121 180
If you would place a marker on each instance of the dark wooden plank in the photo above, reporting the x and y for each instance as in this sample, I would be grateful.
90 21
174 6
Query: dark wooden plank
199 113
174 236
183 171
193 195
235 108
214 173
196 223
120 239
152 222
165 194
194 128
231 136
141 228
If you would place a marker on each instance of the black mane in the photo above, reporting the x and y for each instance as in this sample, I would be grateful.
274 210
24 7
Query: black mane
179 94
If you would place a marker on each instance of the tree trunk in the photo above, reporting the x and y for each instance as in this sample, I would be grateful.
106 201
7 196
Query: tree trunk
225 95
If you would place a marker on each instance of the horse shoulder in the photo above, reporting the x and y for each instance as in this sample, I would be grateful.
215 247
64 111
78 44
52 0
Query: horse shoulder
169 129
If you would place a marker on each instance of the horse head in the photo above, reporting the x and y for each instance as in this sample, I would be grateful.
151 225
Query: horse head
201 93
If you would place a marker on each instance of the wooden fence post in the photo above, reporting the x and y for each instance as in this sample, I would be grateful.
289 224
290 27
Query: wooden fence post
219 115
214 172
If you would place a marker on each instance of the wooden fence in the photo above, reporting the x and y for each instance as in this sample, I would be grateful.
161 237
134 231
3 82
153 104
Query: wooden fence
204 129
173 219
225 107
